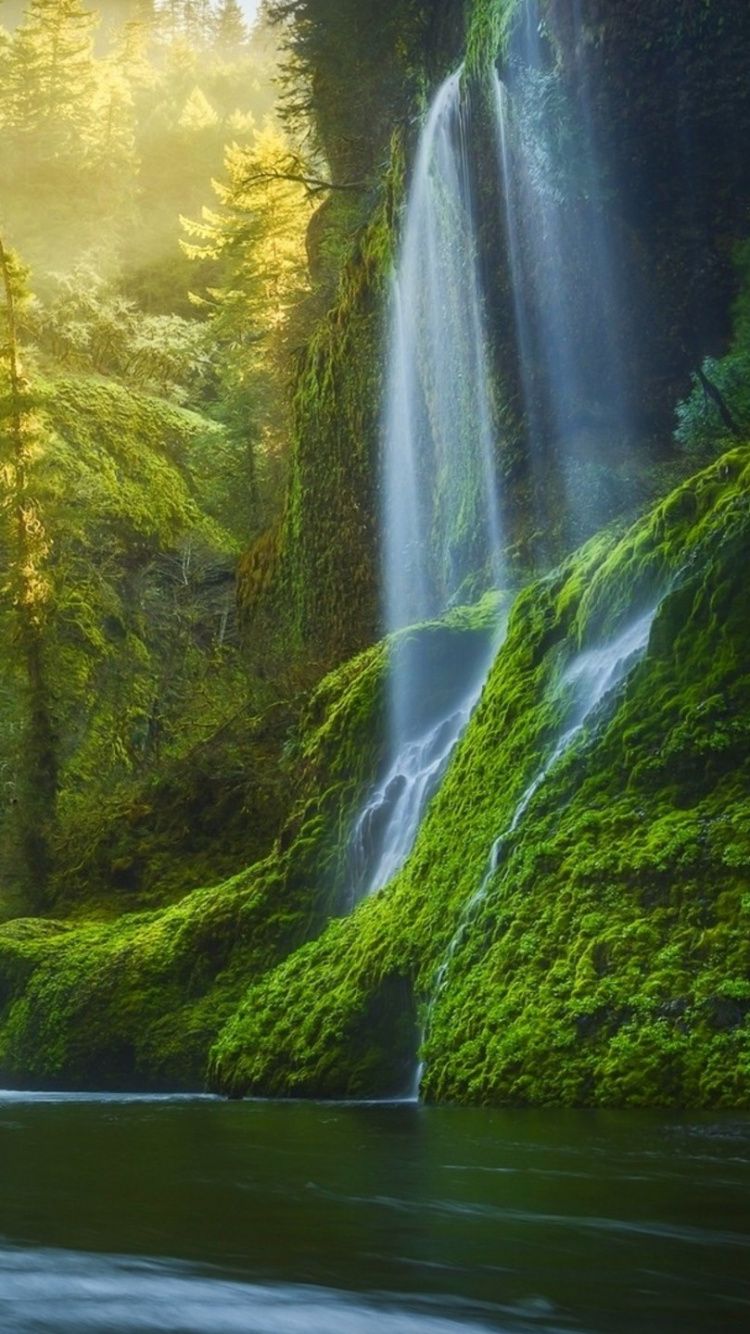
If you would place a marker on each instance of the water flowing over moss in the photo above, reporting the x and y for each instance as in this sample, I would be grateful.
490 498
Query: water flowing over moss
138 1002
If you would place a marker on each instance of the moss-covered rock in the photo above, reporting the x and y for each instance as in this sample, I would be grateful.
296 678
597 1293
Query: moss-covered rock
605 958
138 1001
600 957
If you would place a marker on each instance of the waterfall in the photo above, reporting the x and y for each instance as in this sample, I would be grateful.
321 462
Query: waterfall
563 269
440 515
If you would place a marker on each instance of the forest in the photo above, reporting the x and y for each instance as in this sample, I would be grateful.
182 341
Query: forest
374 536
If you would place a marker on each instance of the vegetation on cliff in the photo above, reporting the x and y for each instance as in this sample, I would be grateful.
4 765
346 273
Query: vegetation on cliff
606 959
194 690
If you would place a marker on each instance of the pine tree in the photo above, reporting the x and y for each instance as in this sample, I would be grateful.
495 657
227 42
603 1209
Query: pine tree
258 238
28 589
67 154
230 29
52 77
190 21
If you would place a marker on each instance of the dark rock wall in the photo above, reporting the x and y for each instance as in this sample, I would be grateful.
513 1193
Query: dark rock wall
668 84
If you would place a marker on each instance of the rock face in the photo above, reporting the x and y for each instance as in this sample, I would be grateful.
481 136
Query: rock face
660 94
668 88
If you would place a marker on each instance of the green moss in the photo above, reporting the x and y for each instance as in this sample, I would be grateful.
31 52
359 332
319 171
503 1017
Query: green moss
487 29
606 960
201 816
138 589
138 1002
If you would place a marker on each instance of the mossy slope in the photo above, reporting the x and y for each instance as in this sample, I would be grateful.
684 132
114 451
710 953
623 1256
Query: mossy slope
138 1002
607 960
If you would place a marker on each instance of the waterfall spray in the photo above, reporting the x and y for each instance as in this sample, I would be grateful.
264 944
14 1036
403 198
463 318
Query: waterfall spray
562 267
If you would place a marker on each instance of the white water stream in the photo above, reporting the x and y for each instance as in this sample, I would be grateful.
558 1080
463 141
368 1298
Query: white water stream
591 676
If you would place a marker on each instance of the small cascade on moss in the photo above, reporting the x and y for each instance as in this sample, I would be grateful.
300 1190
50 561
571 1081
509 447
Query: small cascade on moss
440 512
563 261
587 681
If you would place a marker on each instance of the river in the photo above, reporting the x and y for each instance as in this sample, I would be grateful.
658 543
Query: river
197 1216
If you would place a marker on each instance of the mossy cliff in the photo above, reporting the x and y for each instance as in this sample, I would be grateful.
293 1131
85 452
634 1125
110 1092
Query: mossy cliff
310 585
138 1002
604 962
667 87
659 95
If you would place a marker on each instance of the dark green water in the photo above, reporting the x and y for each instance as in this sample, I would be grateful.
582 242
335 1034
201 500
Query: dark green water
204 1217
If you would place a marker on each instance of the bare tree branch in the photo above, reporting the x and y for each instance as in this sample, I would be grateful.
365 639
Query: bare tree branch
313 184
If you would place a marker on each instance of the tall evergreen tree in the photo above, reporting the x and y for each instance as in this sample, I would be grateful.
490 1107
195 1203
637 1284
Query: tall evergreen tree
258 239
230 29
67 152
28 589
52 80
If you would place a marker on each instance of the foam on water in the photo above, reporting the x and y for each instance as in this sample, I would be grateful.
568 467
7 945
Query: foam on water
64 1292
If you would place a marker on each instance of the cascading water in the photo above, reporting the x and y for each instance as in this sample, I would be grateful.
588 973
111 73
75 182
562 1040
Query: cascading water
589 678
441 518
562 266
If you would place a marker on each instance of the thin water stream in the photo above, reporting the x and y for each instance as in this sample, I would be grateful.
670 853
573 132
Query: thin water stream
587 681
186 1216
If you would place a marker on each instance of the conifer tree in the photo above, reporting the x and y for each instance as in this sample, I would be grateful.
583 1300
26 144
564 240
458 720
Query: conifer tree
27 587
230 28
258 238
67 160
52 77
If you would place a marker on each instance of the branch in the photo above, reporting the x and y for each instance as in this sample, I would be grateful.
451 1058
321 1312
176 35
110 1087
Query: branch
313 184
713 392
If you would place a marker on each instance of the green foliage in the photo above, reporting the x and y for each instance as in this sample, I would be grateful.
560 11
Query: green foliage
25 595
87 325
103 146
488 25
66 135
702 428
139 1001
138 603
258 242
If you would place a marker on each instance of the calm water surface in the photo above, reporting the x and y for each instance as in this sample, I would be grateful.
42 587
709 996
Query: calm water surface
196 1216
